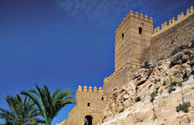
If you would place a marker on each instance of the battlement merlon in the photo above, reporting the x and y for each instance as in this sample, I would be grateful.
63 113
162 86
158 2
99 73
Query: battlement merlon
137 15
94 90
88 94
172 22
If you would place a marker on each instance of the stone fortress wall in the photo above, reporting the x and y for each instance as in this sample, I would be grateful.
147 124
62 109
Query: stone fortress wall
89 102
136 41
128 40
132 39
151 45
172 35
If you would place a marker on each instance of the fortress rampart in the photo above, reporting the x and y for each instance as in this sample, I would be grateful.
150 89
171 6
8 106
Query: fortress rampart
172 35
152 45
136 41
127 37
172 22
89 102
132 39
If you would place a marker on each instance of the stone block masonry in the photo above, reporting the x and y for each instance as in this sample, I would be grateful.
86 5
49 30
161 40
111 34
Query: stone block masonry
136 41
172 36
89 104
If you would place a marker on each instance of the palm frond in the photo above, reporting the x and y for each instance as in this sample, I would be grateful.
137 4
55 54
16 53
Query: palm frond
49 104
21 111
35 100
5 114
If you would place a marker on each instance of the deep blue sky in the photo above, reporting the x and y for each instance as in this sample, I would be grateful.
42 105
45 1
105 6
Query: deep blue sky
64 43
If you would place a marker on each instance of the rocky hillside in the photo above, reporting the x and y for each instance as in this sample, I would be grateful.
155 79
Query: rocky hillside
160 93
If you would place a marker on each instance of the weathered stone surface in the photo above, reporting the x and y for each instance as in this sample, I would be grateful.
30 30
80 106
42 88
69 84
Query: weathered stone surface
163 88
147 94
163 44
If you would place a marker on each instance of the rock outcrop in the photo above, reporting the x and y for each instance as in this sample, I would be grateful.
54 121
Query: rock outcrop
160 93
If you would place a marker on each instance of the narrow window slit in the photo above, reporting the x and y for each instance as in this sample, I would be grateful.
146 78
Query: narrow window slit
140 30
123 35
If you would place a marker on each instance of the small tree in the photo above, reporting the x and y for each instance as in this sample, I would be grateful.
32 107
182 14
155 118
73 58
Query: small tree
22 111
49 104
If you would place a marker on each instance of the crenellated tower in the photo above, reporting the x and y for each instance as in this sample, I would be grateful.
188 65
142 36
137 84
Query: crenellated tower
135 42
132 39
89 104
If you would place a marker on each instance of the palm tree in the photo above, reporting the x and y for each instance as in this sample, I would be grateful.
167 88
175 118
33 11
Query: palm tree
22 111
49 104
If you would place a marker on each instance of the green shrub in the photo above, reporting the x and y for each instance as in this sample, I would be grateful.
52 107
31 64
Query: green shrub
153 95
183 107
180 84
147 64
121 110
173 83
138 99
170 89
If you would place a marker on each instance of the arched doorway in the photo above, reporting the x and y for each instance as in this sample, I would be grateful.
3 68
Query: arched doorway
88 120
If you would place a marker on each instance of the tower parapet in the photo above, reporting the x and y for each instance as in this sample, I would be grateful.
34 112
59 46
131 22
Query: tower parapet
137 15
89 102
172 22
132 40
95 90
134 29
